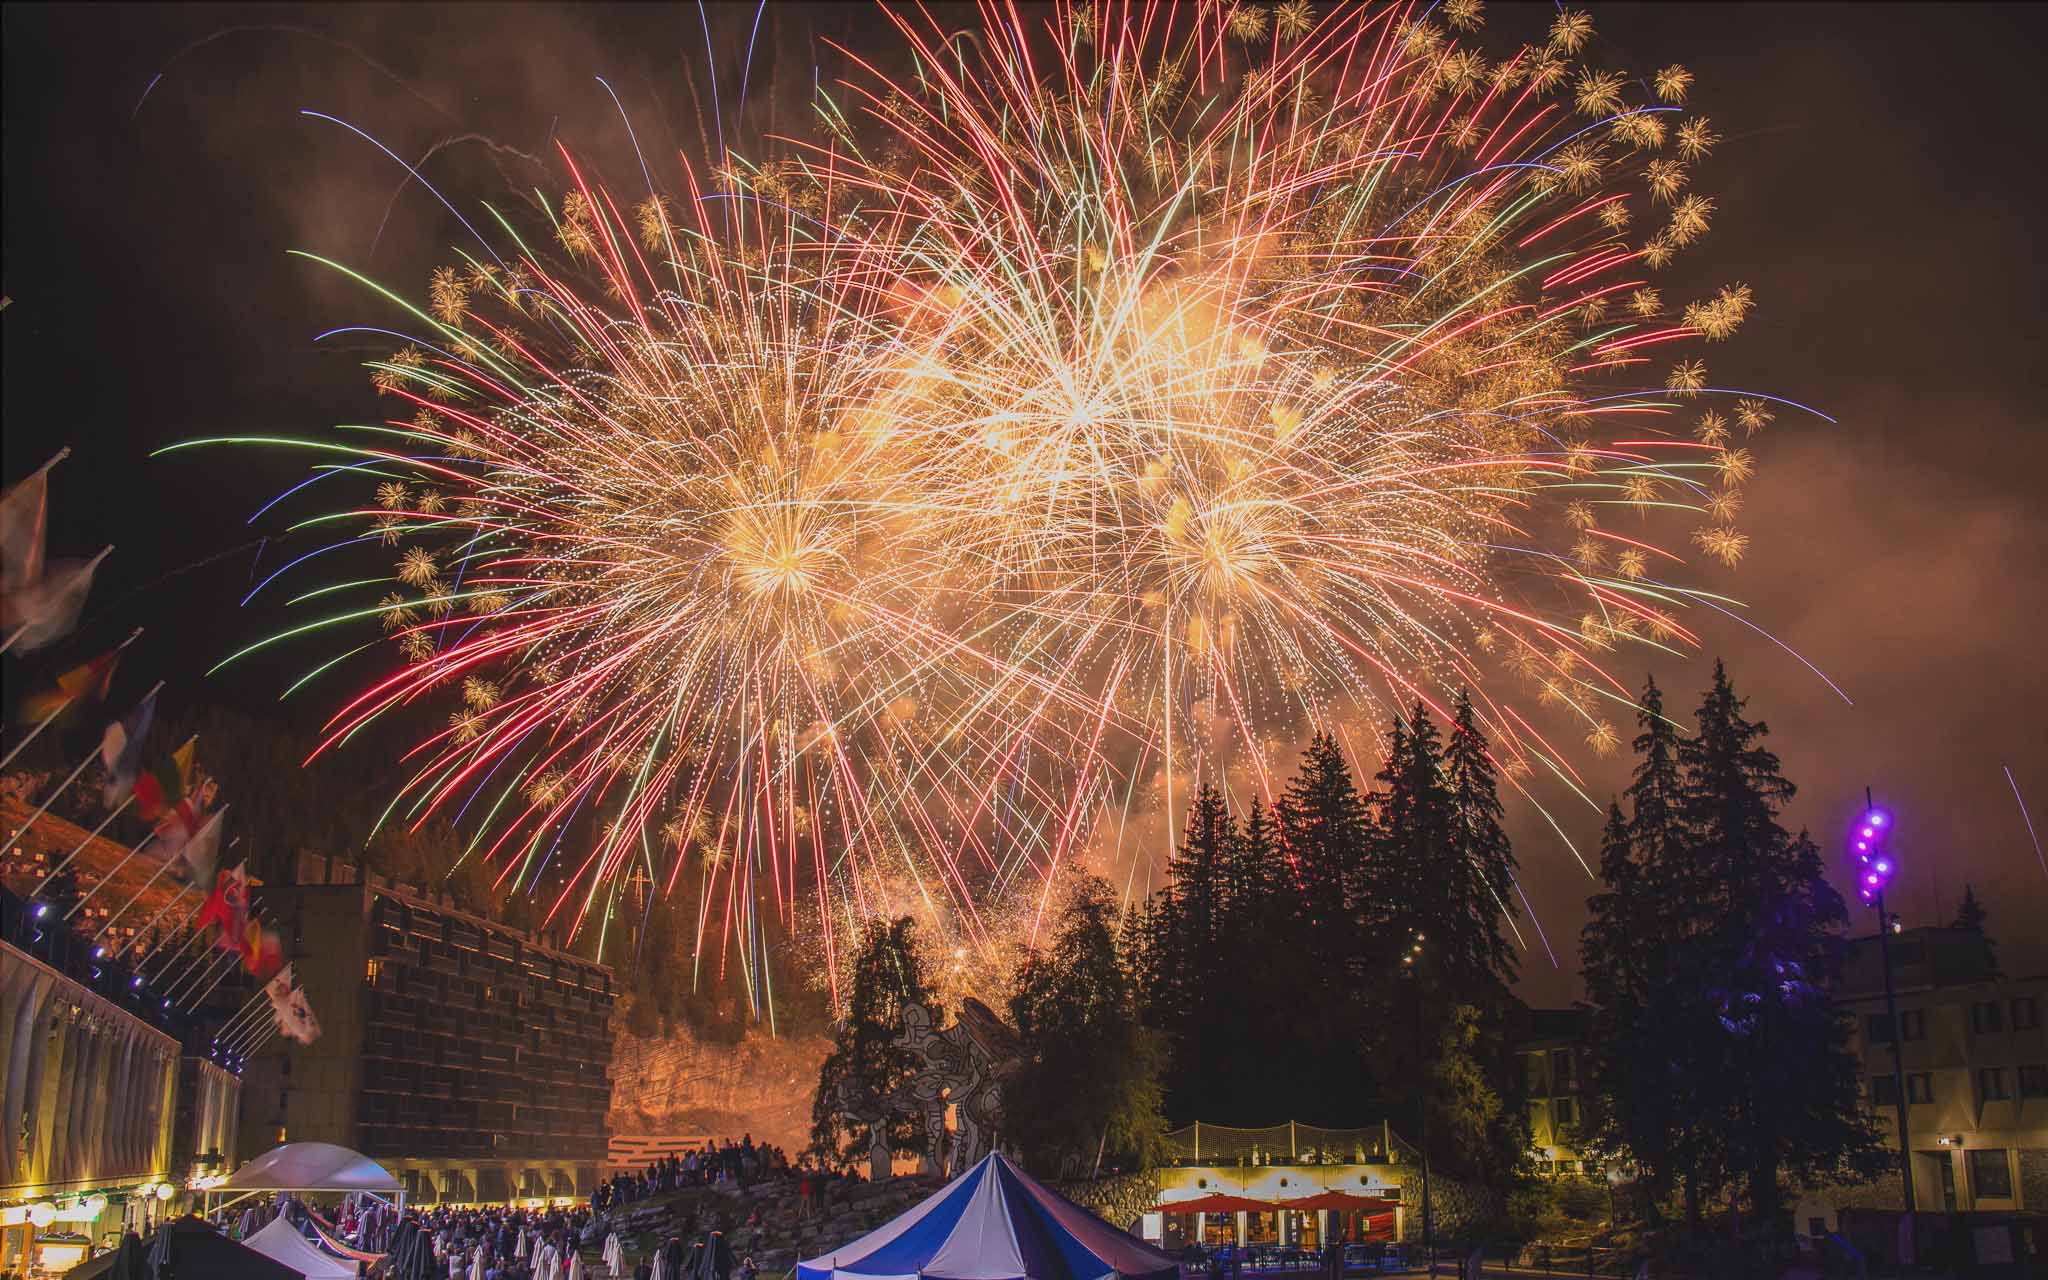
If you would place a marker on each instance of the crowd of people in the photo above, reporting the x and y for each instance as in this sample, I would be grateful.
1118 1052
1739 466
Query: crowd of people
739 1164
507 1243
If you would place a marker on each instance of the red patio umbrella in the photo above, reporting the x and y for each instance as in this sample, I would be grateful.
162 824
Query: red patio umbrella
1216 1202
1339 1201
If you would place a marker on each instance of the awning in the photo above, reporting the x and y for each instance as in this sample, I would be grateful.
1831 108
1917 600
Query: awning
281 1242
312 1166
1216 1202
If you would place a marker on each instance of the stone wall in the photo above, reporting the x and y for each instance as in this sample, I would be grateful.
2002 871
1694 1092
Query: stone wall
1456 1208
678 1084
1117 1200
2034 1179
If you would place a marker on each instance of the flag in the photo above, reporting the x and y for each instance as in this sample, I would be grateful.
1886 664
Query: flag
164 783
228 907
183 822
262 950
199 850
121 750
43 613
23 512
80 687
279 990
299 1022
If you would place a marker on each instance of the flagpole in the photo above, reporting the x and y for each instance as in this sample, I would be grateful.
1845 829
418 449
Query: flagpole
16 749
241 1015
201 968
169 862
109 877
168 934
223 977
258 1043
65 785
253 1028
90 565
190 968
183 889
89 838
191 938
44 808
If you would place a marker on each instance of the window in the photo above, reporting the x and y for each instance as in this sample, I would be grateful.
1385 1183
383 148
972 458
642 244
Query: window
1537 1082
1877 1029
1566 1070
1985 1019
1567 1111
2026 1013
1884 1091
1991 1083
1990 1174
1913 1024
1920 1087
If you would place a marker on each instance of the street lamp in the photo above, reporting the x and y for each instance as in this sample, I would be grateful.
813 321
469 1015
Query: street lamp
1875 867
1414 972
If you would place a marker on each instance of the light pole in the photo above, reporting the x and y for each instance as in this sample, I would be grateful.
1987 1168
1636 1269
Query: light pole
1875 868
1414 971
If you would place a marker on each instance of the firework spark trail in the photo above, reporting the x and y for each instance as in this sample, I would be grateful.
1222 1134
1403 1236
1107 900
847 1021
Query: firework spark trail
885 523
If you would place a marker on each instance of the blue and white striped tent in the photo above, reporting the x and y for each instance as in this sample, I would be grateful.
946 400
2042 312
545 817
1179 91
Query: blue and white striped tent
994 1222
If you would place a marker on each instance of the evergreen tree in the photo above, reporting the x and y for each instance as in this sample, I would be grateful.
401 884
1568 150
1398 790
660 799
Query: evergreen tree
1089 1089
1784 1088
861 1078
1481 862
1971 916
1187 965
1324 822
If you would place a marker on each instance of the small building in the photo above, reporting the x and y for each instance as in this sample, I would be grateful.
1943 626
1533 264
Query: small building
460 1053
1974 1055
1552 1049
1288 1186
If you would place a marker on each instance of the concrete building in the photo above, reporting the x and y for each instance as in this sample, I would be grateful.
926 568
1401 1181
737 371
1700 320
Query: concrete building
1974 1054
461 1054
1553 1053
89 1093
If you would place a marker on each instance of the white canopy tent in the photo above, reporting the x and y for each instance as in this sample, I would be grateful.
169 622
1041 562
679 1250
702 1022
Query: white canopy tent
310 1166
281 1242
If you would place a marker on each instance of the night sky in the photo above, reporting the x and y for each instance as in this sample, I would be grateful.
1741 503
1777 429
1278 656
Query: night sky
1880 187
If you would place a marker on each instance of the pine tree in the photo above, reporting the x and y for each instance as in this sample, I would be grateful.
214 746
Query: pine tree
1323 819
1089 1088
1971 916
1482 861
860 1079
1785 1092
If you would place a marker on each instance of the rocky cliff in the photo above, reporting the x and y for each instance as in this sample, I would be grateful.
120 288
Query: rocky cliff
676 1084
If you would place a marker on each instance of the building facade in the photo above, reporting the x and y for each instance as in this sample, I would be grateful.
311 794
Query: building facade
1552 1048
1289 1186
462 1055
1974 1056
89 1096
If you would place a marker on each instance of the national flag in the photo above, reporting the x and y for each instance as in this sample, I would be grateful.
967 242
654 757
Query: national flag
299 1022
81 687
278 990
164 783
262 949
182 823
23 519
121 750
199 850
43 613
228 907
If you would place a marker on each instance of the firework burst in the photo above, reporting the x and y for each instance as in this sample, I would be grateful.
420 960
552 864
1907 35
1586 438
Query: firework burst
889 522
